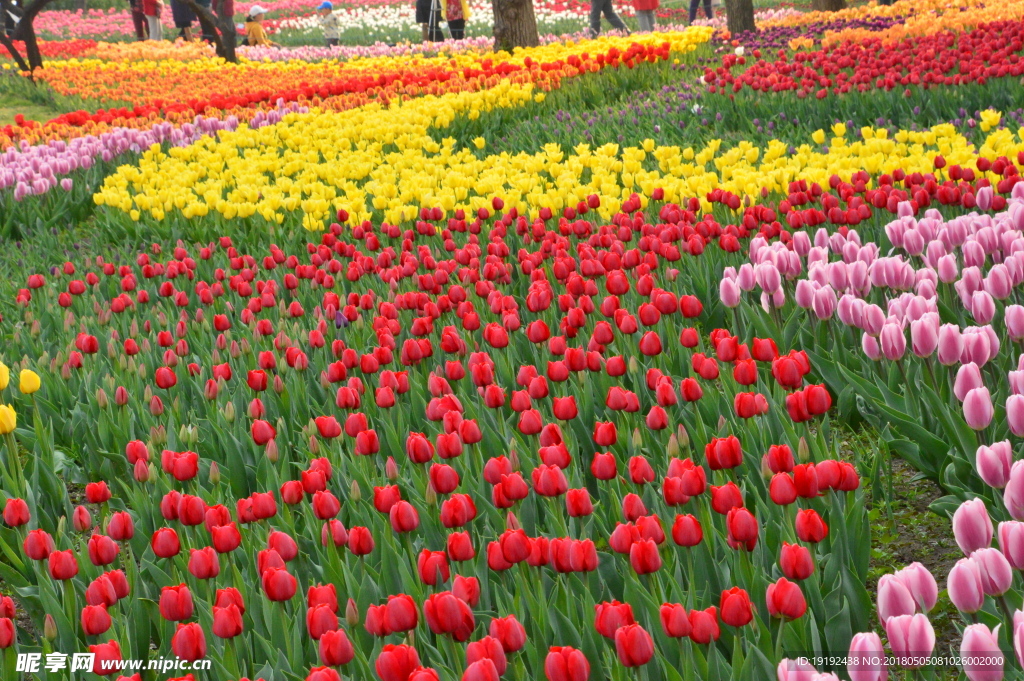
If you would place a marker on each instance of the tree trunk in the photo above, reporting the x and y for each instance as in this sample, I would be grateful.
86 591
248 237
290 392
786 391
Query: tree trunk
739 16
514 24
15 55
224 42
828 5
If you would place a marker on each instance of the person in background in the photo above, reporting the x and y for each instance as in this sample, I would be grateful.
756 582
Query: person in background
183 18
138 19
456 14
329 23
152 10
645 14
597 7
254 32
708 12
428 16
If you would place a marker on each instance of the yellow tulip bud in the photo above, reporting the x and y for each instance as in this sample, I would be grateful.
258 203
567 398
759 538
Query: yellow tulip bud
8 419
5 375
29 382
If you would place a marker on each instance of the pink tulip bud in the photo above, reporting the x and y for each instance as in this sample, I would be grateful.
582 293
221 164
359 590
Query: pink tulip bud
1011 542
804 295
994 463
1014 319
874 319
1016 379
911 639
978 409
924 336
893 341
869 344
983 659
867 658
951 344
996 572
894 599
729 292
972 528
921 585
964 586
1015 414
968 377
948 270
824 303
983 307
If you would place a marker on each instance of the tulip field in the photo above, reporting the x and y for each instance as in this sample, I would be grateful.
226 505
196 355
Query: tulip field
598 360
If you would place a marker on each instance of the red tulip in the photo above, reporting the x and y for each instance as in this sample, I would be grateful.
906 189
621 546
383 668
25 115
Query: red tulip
487 648
95 621
204 563
674 620
726 497
432 567
404 517
226 538
467 588
686 531
105 655
335 648
796 561
97 493
644 557
605 434
396 662
360 541
609 616
278 584
509 632
782 489
735 607
634 645
328 427
785 599
262 432
400 613
176 603
102 550
227 621
704 626
448 614
63 565
320 619
809 526
121 527
165 543
189 642
566 664
743 528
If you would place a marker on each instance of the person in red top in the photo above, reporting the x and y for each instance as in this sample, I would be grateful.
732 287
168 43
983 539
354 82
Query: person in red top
645 14
152 10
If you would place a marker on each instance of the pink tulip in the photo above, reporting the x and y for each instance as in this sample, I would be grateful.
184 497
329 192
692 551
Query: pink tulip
911 639
994 463
972 527
1013 317
921 585
866 661
795 670
978 409
983 307
729 292
824 303
874 320
964 586
804 296
1015 414
894 599
982 655
1010 534
869 344
951 344
924 337
947 269
1013 495
968 377
995 570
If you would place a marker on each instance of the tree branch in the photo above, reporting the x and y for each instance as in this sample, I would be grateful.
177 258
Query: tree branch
18 59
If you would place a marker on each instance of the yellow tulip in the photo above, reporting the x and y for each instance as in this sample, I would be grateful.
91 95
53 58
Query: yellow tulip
8 419
5 375
29 382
